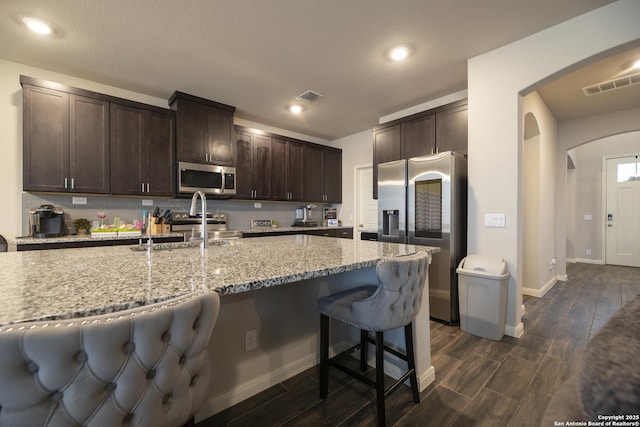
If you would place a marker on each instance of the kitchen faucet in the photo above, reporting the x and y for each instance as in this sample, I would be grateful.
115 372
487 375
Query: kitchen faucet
192 212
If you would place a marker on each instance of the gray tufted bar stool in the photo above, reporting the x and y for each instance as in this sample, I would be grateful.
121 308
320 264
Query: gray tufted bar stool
393 303
145 366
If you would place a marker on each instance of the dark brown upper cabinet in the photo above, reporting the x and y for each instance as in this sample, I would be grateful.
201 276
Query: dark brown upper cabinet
80 141
452 130
321 174
440 129
253 166
142 151
274 167
286 176
332 175
65 140
204 129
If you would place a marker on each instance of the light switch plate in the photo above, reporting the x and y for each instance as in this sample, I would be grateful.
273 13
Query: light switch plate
147 202
495 220
79 200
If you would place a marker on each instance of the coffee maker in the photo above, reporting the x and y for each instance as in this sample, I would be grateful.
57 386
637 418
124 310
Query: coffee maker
46 221
303 217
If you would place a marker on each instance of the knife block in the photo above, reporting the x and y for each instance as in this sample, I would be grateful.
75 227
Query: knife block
157 229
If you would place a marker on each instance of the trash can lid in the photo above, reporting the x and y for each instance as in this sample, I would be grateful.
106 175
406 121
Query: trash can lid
484 264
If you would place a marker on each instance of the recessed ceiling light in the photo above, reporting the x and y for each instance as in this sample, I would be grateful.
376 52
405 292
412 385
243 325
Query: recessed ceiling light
636 64
295 108
37 26
399 53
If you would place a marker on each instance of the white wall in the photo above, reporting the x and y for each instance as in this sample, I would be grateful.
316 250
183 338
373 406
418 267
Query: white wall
589 192
571 134
357 150
539 241
496 82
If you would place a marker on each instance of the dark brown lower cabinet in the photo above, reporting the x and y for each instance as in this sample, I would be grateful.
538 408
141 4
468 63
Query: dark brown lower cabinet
341 232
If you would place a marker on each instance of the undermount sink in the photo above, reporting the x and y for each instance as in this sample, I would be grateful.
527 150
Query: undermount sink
178 245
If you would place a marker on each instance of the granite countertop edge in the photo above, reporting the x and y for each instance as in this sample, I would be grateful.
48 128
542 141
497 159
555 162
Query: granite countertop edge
58 285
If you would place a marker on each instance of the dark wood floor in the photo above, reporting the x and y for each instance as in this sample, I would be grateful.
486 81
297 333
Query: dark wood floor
479 382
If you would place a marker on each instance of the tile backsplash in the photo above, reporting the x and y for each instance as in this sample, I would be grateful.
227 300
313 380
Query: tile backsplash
128 209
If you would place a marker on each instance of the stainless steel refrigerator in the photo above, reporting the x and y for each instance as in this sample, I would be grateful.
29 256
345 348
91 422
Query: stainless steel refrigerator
423 201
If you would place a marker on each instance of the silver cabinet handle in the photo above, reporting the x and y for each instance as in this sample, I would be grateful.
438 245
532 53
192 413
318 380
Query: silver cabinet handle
65 184
73 183
142 184
148 190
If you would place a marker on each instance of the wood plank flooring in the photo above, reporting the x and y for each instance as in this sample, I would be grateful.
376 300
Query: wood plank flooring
479 382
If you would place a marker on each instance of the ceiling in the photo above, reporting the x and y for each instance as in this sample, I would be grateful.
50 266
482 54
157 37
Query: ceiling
259 55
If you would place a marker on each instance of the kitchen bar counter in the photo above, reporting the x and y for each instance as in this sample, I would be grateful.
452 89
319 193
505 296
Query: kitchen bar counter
48 285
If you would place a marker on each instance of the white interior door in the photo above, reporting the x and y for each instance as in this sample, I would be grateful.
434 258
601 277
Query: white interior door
623 211
366 205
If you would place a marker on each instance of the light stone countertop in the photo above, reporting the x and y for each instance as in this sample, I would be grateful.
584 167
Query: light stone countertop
69 283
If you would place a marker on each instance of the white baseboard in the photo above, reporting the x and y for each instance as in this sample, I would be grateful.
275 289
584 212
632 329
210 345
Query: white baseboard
590 261
514 331
540 292
250 388
571 260
563 278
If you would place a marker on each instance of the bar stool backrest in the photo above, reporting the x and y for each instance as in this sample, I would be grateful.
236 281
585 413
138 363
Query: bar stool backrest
145 366
397 300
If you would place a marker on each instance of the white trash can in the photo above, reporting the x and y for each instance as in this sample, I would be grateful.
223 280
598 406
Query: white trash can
482 292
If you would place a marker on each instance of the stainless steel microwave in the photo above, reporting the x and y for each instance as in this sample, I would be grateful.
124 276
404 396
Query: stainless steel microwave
212 180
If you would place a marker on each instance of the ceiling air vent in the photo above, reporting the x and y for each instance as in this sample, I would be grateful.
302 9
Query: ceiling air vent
610 85
309 96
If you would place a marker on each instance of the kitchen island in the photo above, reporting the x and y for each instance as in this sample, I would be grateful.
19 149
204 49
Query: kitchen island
269 286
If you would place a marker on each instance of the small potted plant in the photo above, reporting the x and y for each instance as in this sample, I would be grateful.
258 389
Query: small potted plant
82 225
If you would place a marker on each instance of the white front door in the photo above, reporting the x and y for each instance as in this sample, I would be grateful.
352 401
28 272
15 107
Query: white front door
623 211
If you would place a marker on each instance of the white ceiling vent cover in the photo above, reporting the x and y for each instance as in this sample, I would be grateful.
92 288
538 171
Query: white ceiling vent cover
310 96
610 85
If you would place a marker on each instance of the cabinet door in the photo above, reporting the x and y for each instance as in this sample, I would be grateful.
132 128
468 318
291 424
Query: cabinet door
45 139
261 167
159 162
220 145
418 137
193 131
332 175
127 136
451 130
244 168
89 145
279 190
294 171
312 185
386 147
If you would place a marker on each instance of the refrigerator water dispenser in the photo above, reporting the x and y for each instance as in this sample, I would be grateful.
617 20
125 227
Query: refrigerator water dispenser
391 222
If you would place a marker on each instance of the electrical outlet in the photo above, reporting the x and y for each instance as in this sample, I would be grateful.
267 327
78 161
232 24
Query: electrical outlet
250 340
588 251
